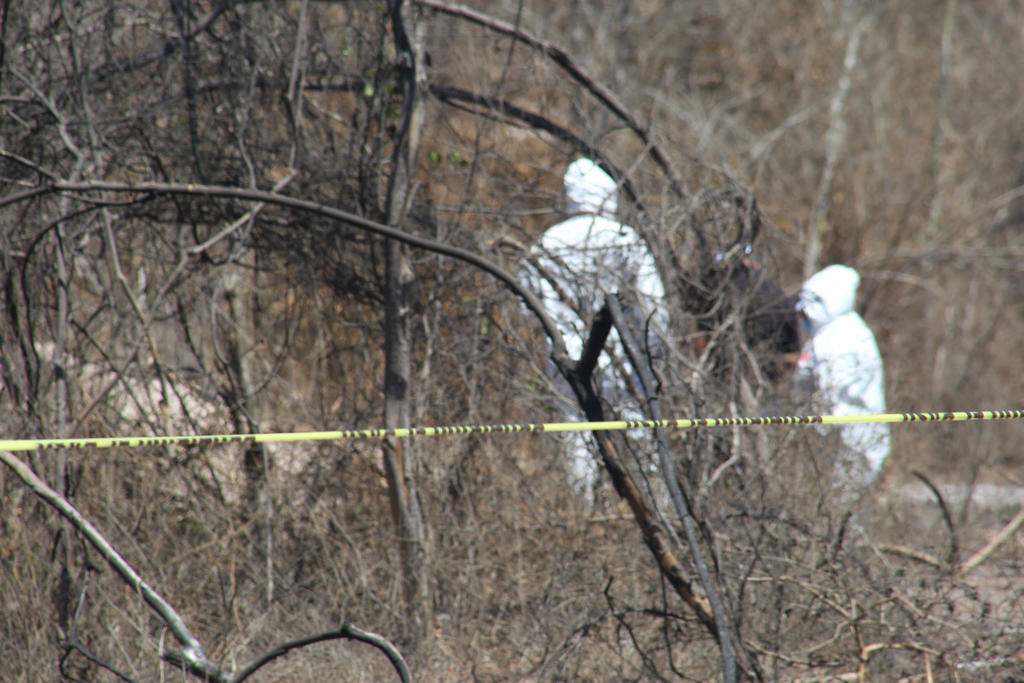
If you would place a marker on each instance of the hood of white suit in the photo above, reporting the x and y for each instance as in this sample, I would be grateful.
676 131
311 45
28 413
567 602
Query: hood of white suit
588 189
828 294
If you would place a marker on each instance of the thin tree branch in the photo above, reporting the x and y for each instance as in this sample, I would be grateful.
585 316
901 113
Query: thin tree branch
27 163
912 553
192 654
169 48
1005 533
348 631
954 546
223 192
490 107
72 645
399 457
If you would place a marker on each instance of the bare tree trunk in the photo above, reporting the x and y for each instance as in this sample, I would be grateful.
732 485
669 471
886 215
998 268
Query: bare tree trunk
939 311
400 456
835 140
62 543
239 333
62 408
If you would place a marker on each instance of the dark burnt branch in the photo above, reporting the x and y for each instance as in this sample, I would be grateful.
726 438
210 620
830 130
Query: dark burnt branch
565 60
580 378
594 345
347 631
679 498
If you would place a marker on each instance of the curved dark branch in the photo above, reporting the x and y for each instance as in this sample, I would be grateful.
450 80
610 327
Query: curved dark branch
947 517
496 104
580 379
223 192
72 645
492 107
27 163
348 631
562 58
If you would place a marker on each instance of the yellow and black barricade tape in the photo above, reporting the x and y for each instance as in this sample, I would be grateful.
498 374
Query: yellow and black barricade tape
455 430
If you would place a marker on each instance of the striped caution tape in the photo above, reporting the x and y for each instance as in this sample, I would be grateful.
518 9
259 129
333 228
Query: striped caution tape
453 430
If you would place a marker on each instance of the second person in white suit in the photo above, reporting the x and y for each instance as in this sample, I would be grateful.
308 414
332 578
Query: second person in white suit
841 366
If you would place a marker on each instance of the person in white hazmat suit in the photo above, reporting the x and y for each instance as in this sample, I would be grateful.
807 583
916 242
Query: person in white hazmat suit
574 266
841 365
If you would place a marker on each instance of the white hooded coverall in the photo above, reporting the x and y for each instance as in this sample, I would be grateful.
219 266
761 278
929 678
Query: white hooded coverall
841 364
578 262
